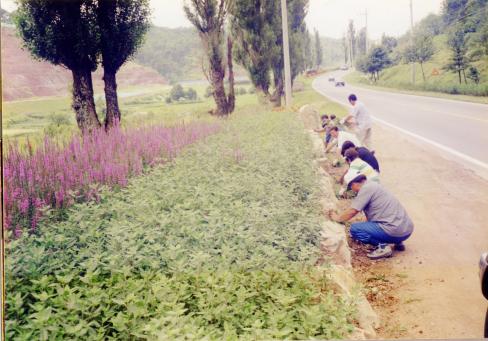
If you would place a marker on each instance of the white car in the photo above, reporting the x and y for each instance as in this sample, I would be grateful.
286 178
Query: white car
344 67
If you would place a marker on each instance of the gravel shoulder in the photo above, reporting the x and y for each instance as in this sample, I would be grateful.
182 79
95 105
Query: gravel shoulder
432 289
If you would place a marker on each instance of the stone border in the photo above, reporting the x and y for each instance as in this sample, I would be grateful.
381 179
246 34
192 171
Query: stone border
334 240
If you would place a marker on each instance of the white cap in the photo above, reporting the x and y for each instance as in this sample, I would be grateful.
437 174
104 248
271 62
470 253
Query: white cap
350 175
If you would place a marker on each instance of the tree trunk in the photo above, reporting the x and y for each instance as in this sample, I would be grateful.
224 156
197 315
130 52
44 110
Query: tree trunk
83 102
113 115
231 98
279 90
464 75
422 68
459 74
217 79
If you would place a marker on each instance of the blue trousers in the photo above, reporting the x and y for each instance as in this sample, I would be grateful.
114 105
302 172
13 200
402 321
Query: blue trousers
372 233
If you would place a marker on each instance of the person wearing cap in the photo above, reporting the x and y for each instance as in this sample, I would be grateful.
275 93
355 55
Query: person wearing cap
340 137
362 119
387 220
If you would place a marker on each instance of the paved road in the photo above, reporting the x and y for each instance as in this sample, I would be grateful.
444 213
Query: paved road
458 128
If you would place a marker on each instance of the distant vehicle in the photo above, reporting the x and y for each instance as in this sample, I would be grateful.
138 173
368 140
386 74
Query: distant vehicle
484 284
340 83
344 67
331 79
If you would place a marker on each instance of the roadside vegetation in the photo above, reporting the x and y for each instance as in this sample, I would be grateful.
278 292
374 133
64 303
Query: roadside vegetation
450 52
220 243
145 215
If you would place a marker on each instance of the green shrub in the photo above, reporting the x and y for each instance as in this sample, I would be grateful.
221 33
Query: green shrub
222 243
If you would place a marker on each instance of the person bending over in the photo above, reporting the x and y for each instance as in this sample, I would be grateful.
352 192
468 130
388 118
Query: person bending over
339 137
387 220
362 119
358 167
364 154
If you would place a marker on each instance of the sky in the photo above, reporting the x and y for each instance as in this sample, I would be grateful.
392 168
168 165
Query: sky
329 17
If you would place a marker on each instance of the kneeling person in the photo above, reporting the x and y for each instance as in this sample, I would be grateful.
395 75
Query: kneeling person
388 222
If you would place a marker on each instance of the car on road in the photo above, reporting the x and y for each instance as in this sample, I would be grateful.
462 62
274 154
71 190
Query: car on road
340 83
344 67
484 284
331 79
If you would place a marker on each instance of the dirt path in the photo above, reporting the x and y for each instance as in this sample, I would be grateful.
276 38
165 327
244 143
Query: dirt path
432 289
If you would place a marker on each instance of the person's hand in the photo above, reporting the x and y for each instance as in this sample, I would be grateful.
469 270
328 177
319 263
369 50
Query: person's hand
342 121
333 215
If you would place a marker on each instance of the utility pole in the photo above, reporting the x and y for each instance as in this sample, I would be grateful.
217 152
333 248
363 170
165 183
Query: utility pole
286 53
411 39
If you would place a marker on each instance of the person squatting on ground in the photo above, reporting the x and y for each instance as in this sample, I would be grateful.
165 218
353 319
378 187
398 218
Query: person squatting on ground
364 154
358 167
327 123
339 137
387 221
362 120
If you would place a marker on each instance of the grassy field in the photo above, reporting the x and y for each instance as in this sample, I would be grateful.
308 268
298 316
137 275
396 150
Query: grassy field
221 243
53 116
444 84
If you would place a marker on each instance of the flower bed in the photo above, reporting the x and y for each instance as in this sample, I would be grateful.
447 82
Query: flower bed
58 176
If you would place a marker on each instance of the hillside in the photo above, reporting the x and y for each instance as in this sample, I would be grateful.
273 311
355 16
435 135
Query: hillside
23 77
468 19
436 78
176 53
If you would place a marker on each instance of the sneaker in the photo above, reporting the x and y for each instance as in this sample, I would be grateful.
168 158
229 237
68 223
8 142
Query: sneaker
399 247
382 251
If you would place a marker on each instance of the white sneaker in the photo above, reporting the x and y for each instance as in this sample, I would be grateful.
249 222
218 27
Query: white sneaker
382 251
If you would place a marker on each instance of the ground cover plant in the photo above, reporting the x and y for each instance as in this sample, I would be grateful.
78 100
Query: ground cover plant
58 175
221 243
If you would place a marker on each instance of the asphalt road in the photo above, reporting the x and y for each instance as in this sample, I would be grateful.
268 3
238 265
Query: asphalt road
459 129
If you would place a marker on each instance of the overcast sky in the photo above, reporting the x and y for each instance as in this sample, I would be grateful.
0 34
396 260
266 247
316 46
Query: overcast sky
330 17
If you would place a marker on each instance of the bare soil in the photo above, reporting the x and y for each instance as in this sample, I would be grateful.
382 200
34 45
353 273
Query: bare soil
23 77
432 289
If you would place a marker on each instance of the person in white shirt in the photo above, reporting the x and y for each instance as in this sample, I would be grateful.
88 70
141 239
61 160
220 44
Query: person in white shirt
362 119
339 137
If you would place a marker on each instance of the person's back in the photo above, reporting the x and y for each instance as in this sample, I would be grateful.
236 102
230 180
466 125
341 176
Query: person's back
358 167
381 207
367 156
362 117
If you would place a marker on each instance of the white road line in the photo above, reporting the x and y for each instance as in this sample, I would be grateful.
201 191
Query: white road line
438 145
449 150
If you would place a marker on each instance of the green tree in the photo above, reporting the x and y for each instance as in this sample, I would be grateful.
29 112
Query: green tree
256 26
318 50
177 92
389 43
122 24
374 62
361 42
252 28
474 74
420 51
208 17
351 41
297 11
308 51
345 47
191 94
458 61
65 33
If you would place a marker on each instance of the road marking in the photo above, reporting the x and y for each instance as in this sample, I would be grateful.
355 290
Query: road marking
426 140
436 144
